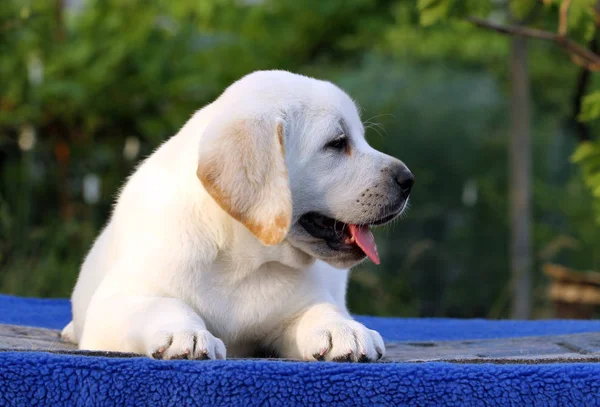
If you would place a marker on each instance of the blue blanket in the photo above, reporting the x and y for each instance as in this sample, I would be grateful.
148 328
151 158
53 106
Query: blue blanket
43 379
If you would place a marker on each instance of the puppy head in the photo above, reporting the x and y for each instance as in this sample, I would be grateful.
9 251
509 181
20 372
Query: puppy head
286 156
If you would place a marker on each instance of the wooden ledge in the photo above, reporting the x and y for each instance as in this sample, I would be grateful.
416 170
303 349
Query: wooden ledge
575 348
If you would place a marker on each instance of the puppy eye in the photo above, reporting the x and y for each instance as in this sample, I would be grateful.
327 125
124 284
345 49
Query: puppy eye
339 143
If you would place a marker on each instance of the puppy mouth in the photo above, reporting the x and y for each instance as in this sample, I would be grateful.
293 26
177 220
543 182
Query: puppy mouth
342 236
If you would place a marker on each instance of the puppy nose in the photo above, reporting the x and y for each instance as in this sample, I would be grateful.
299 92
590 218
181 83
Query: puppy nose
405 179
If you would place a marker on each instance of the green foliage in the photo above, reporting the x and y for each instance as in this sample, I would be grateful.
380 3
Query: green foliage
521 9
582 21
590 109
434 11
581 26
587 156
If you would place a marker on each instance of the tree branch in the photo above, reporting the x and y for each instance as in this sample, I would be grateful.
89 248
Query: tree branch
563 21
580 55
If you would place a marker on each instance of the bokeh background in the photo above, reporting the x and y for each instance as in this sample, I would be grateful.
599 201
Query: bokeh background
90 88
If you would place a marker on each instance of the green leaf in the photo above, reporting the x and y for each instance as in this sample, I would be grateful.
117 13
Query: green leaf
582 19
433 11
587 155
521 8
594 179
424 4
583 151
590 109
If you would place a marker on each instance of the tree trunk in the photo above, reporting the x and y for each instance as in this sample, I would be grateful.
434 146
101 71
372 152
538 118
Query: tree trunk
520 180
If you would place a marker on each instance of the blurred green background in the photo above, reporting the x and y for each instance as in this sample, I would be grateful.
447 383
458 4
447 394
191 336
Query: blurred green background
89 88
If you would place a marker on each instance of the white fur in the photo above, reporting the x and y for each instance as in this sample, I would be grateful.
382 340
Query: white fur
172 272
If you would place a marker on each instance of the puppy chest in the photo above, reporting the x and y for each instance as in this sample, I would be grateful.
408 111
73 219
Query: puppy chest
249 306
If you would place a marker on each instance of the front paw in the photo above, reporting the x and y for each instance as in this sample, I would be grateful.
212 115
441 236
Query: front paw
342 341
186 344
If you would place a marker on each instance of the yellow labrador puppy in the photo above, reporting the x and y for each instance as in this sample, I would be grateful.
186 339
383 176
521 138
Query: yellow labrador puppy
235 236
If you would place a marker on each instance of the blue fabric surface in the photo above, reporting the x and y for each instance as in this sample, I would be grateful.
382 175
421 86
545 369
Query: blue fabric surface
41 379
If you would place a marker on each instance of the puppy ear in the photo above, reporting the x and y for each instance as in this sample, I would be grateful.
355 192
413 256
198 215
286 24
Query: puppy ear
242 166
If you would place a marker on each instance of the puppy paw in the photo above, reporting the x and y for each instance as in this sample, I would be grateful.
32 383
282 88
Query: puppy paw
187 344
68 333
342 341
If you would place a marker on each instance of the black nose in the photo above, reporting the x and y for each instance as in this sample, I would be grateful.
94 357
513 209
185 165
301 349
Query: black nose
405 179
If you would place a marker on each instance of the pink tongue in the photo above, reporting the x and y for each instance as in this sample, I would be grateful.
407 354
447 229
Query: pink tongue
365 240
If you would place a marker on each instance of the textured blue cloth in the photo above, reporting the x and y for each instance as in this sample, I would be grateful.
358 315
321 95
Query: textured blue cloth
41 379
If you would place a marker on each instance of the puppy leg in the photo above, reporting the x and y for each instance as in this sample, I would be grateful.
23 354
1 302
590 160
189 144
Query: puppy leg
159 327
324 332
